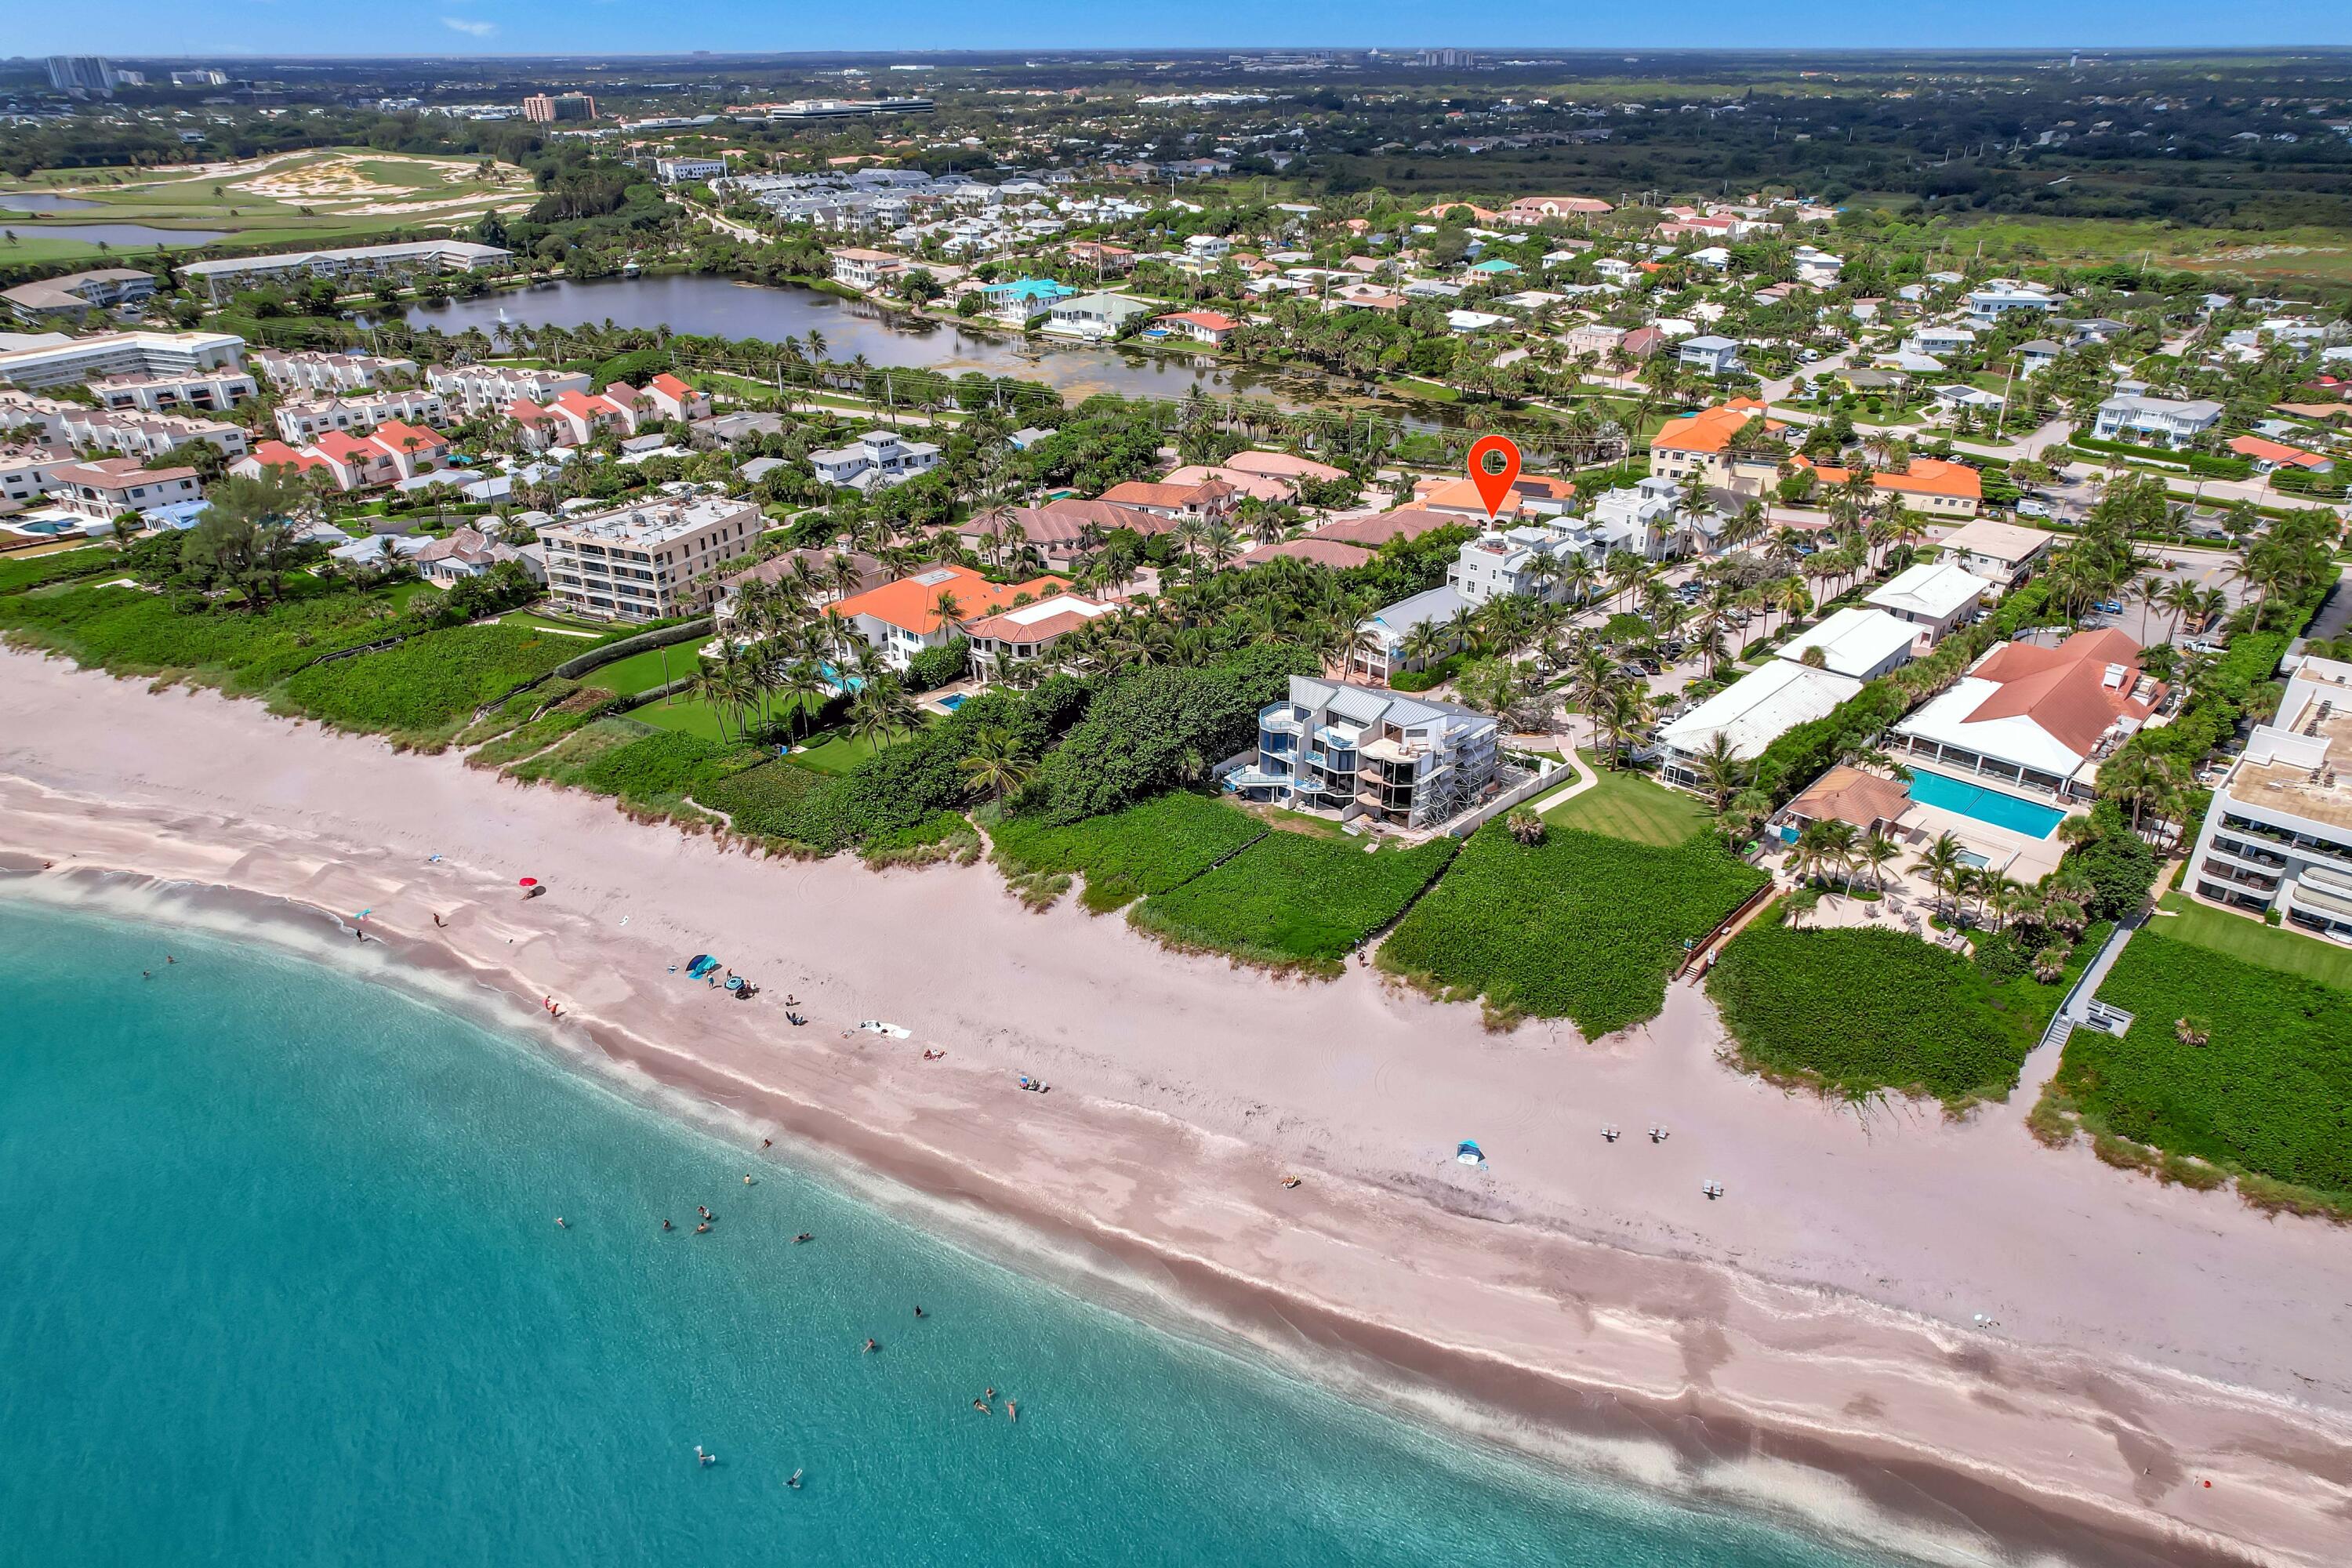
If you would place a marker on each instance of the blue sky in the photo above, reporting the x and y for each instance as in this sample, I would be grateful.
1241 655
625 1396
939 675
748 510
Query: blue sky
541 26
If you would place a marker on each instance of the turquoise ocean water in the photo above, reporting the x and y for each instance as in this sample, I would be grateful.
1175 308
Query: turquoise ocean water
280 1284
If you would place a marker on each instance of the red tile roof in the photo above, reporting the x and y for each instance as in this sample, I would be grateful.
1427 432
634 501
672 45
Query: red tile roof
2065 690
1405 523
1320 551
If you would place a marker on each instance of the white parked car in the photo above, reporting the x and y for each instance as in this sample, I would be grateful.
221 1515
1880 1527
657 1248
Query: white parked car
2029 507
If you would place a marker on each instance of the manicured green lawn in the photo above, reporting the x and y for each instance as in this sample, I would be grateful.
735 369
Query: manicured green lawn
685 715
834 751
644 672
557 624
1627 805
2244 937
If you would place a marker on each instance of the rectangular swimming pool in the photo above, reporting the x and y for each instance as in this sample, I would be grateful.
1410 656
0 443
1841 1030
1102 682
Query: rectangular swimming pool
2000 808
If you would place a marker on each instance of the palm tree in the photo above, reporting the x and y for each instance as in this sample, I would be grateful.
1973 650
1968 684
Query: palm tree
996 765
1943 863
1877 852
1721 772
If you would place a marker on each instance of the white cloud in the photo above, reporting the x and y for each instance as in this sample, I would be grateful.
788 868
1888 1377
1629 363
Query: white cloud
479 29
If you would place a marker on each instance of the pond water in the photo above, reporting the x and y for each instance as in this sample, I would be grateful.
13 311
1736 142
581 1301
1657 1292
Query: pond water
125 234
719 307
36 202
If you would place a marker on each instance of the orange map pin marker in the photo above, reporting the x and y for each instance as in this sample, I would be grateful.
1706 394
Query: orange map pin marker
1494 484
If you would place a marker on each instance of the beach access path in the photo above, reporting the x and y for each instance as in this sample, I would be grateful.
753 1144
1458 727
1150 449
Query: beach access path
1943 1318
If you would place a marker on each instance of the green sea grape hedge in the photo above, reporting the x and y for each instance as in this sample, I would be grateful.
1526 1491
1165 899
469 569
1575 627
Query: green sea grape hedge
427 686
1858 1010
765 800
20 573
1580 926
1293 900
1160 728
130 631
1151 848
911 781
2269 1092
659 771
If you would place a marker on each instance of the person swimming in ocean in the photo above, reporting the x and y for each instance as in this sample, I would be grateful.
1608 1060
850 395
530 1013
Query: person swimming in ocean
918 1311
981 1406
703 1228
703 1211
560 1224
804 1235
794 1481
666 1226
873 1345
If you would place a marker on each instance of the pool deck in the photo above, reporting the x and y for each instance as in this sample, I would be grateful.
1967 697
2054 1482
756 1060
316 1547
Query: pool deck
2021 855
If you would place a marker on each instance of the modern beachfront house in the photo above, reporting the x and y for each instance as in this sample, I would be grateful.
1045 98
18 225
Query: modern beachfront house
2034 718
1750 714
1350 751
875 460
2279 833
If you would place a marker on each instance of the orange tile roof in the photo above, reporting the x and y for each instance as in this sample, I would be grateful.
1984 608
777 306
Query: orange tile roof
2275 452
1462 495
1926 475
669 385
1710 429
908 604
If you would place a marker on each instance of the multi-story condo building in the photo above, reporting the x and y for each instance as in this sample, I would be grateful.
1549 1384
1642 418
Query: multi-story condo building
1350 751
53 300
545 109
121 353
644 562
138 435
221 388
301 419
2279 833
233 274
485 388
308 370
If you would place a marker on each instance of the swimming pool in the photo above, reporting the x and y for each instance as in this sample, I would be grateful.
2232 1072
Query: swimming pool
1998 807
953 702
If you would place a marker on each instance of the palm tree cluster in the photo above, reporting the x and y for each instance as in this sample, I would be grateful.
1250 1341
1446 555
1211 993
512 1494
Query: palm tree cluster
781 646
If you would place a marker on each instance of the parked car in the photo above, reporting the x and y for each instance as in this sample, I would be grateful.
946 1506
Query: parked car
2029 507
2208 644
2109 607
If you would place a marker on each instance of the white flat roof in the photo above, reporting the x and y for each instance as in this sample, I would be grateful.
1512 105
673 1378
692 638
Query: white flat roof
1046 609
1757 710
1854 641
1933 588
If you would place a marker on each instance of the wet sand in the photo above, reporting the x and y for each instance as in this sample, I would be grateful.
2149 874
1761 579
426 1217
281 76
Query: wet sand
1811 1338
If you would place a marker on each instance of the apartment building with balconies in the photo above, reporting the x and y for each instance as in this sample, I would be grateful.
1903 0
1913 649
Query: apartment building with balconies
2279 833
648 561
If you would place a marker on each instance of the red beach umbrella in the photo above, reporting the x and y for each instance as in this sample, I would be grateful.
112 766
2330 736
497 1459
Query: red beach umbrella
526 882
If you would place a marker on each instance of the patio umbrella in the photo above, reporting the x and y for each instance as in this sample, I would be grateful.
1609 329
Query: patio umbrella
526 882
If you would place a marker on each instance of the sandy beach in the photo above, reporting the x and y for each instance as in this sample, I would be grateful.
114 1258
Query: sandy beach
1813 1339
